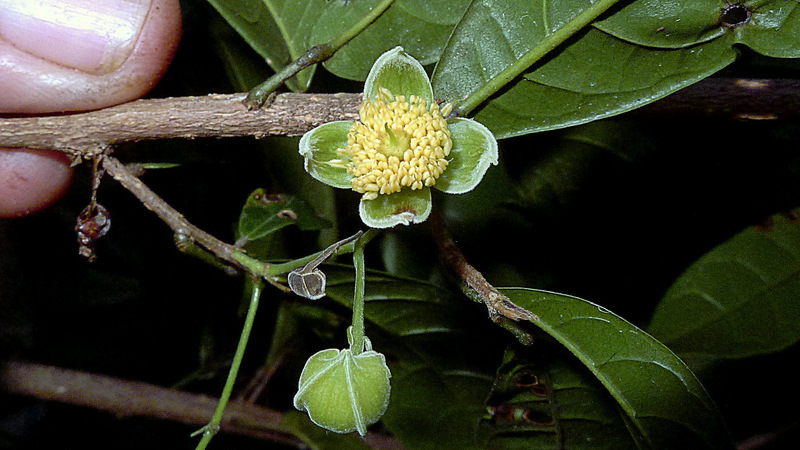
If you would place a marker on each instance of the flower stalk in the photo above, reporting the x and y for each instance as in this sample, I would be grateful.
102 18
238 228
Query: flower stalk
357 346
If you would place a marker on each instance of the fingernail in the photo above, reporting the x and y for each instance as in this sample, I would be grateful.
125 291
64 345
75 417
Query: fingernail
90 36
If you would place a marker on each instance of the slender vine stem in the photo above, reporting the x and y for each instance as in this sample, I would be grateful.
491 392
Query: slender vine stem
213 426
357 346
548 44
262 93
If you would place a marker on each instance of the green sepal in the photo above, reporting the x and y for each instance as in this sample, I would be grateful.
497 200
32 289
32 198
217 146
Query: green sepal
400 73
474 150
344 392
319 146
399 208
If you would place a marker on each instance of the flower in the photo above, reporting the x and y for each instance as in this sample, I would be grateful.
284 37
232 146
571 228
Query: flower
401 146
343 391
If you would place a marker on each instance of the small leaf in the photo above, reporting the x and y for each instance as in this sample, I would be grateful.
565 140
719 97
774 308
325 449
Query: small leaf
264 214
739 299
774 29
770 27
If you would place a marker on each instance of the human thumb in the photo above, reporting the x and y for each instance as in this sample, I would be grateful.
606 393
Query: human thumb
73 55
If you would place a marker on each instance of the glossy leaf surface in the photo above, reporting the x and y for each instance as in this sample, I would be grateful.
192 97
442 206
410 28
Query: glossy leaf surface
665 404
738 300
281 30
644 52
421 27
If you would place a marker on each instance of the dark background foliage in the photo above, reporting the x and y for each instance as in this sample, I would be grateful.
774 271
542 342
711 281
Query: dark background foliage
573 211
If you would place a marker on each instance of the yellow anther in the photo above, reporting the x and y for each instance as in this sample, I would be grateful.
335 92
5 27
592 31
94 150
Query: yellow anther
399 142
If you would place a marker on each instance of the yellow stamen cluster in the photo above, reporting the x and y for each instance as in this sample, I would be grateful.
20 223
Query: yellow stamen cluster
398 142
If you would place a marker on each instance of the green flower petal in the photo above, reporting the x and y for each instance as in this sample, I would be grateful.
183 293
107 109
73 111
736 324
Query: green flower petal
404 207
319 146
400 73
474 150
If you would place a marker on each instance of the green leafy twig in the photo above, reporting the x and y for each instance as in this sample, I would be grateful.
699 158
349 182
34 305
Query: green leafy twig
187 235
264 92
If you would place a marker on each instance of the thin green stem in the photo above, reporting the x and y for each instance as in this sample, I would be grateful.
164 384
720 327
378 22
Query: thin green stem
213 426
316 54
357 345
270 272
548 44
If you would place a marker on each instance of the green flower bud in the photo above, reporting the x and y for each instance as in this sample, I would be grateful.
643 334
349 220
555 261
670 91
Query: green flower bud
343 392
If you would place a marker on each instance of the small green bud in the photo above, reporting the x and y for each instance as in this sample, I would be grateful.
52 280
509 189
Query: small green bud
343 392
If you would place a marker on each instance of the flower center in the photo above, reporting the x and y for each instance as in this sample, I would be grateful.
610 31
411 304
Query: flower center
397 142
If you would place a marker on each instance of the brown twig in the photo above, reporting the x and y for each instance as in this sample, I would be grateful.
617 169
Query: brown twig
126 398
501 310
167 213
88 134
732 98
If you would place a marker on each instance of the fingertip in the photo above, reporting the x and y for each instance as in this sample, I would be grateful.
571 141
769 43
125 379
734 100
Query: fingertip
35 84
31 180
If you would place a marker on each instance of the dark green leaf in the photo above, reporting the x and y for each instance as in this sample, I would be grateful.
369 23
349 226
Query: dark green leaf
738 300
400 306
254 21
557 174
676 24
421 27
586 82
264 214
244 67
281 30
665 404
770 27
645 51
544 400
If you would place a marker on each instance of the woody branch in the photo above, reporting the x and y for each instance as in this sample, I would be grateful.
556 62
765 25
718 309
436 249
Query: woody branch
88 134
